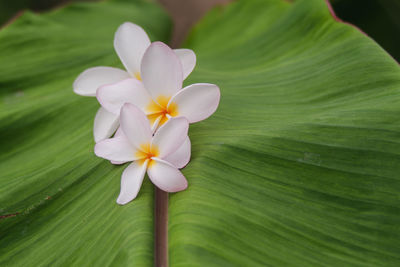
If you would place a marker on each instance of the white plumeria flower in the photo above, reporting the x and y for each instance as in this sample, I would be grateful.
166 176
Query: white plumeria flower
159 95
130 43
180 158
148 153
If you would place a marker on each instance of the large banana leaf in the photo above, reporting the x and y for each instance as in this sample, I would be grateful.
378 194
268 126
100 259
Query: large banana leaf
64 195
299 166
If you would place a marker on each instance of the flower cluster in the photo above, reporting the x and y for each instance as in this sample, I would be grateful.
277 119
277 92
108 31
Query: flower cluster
146 110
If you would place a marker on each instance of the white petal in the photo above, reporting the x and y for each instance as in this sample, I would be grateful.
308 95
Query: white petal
120 134
130 43
116 162
135 125
131 181
156 123
169 137
166 176
188 60
105 124
88 81
161 70
113 96
197 102
116 149
181 157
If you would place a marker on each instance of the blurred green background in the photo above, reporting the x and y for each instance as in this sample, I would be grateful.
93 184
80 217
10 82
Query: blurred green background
380 19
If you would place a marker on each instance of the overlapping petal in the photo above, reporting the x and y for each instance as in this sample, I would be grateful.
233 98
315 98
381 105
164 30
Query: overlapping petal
156 123
131 181
197 102
170 136
112 97
130 43
119 133
166 176
91 79
116 149
105 124
180 158
135 125
188 60
161 71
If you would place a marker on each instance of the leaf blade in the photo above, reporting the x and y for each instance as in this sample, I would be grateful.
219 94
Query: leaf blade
299 166
64 195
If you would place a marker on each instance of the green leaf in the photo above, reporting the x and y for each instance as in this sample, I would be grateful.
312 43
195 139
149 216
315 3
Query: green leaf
300 165
57 200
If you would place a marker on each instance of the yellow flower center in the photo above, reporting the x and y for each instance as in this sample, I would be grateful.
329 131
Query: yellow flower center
146 152
137 76
161 110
